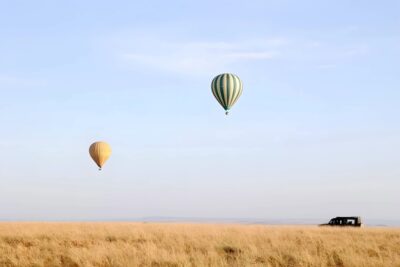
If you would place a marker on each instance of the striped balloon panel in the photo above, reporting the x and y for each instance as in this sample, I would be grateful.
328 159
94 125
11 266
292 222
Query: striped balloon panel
227 89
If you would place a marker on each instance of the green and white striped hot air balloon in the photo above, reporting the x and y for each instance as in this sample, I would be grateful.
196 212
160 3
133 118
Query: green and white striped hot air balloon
227 89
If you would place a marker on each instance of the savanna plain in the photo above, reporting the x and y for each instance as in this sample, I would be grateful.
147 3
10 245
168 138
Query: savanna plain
173 244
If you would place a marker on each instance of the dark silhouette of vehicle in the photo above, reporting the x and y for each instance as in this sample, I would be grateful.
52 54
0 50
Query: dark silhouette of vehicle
344 221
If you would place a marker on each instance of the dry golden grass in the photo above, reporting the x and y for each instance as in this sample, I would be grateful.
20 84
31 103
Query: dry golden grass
148 244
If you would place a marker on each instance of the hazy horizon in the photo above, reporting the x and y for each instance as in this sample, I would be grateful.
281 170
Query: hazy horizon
367 222
314 135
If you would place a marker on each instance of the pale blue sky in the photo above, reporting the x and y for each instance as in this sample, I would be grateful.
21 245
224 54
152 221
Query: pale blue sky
315 134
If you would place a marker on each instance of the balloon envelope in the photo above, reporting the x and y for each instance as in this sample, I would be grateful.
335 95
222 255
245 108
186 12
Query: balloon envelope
227 88
100 152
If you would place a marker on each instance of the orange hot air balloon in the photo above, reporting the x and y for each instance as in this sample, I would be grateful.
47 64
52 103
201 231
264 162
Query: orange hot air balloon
100 152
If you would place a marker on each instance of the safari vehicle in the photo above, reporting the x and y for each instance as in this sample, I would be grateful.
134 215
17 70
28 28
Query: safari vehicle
344 221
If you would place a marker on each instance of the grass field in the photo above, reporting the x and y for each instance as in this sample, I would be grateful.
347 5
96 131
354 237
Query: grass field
151 244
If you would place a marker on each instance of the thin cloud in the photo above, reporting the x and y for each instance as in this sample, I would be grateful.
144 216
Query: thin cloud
326 66
357 51
253 55
203 57
14 81
200 57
